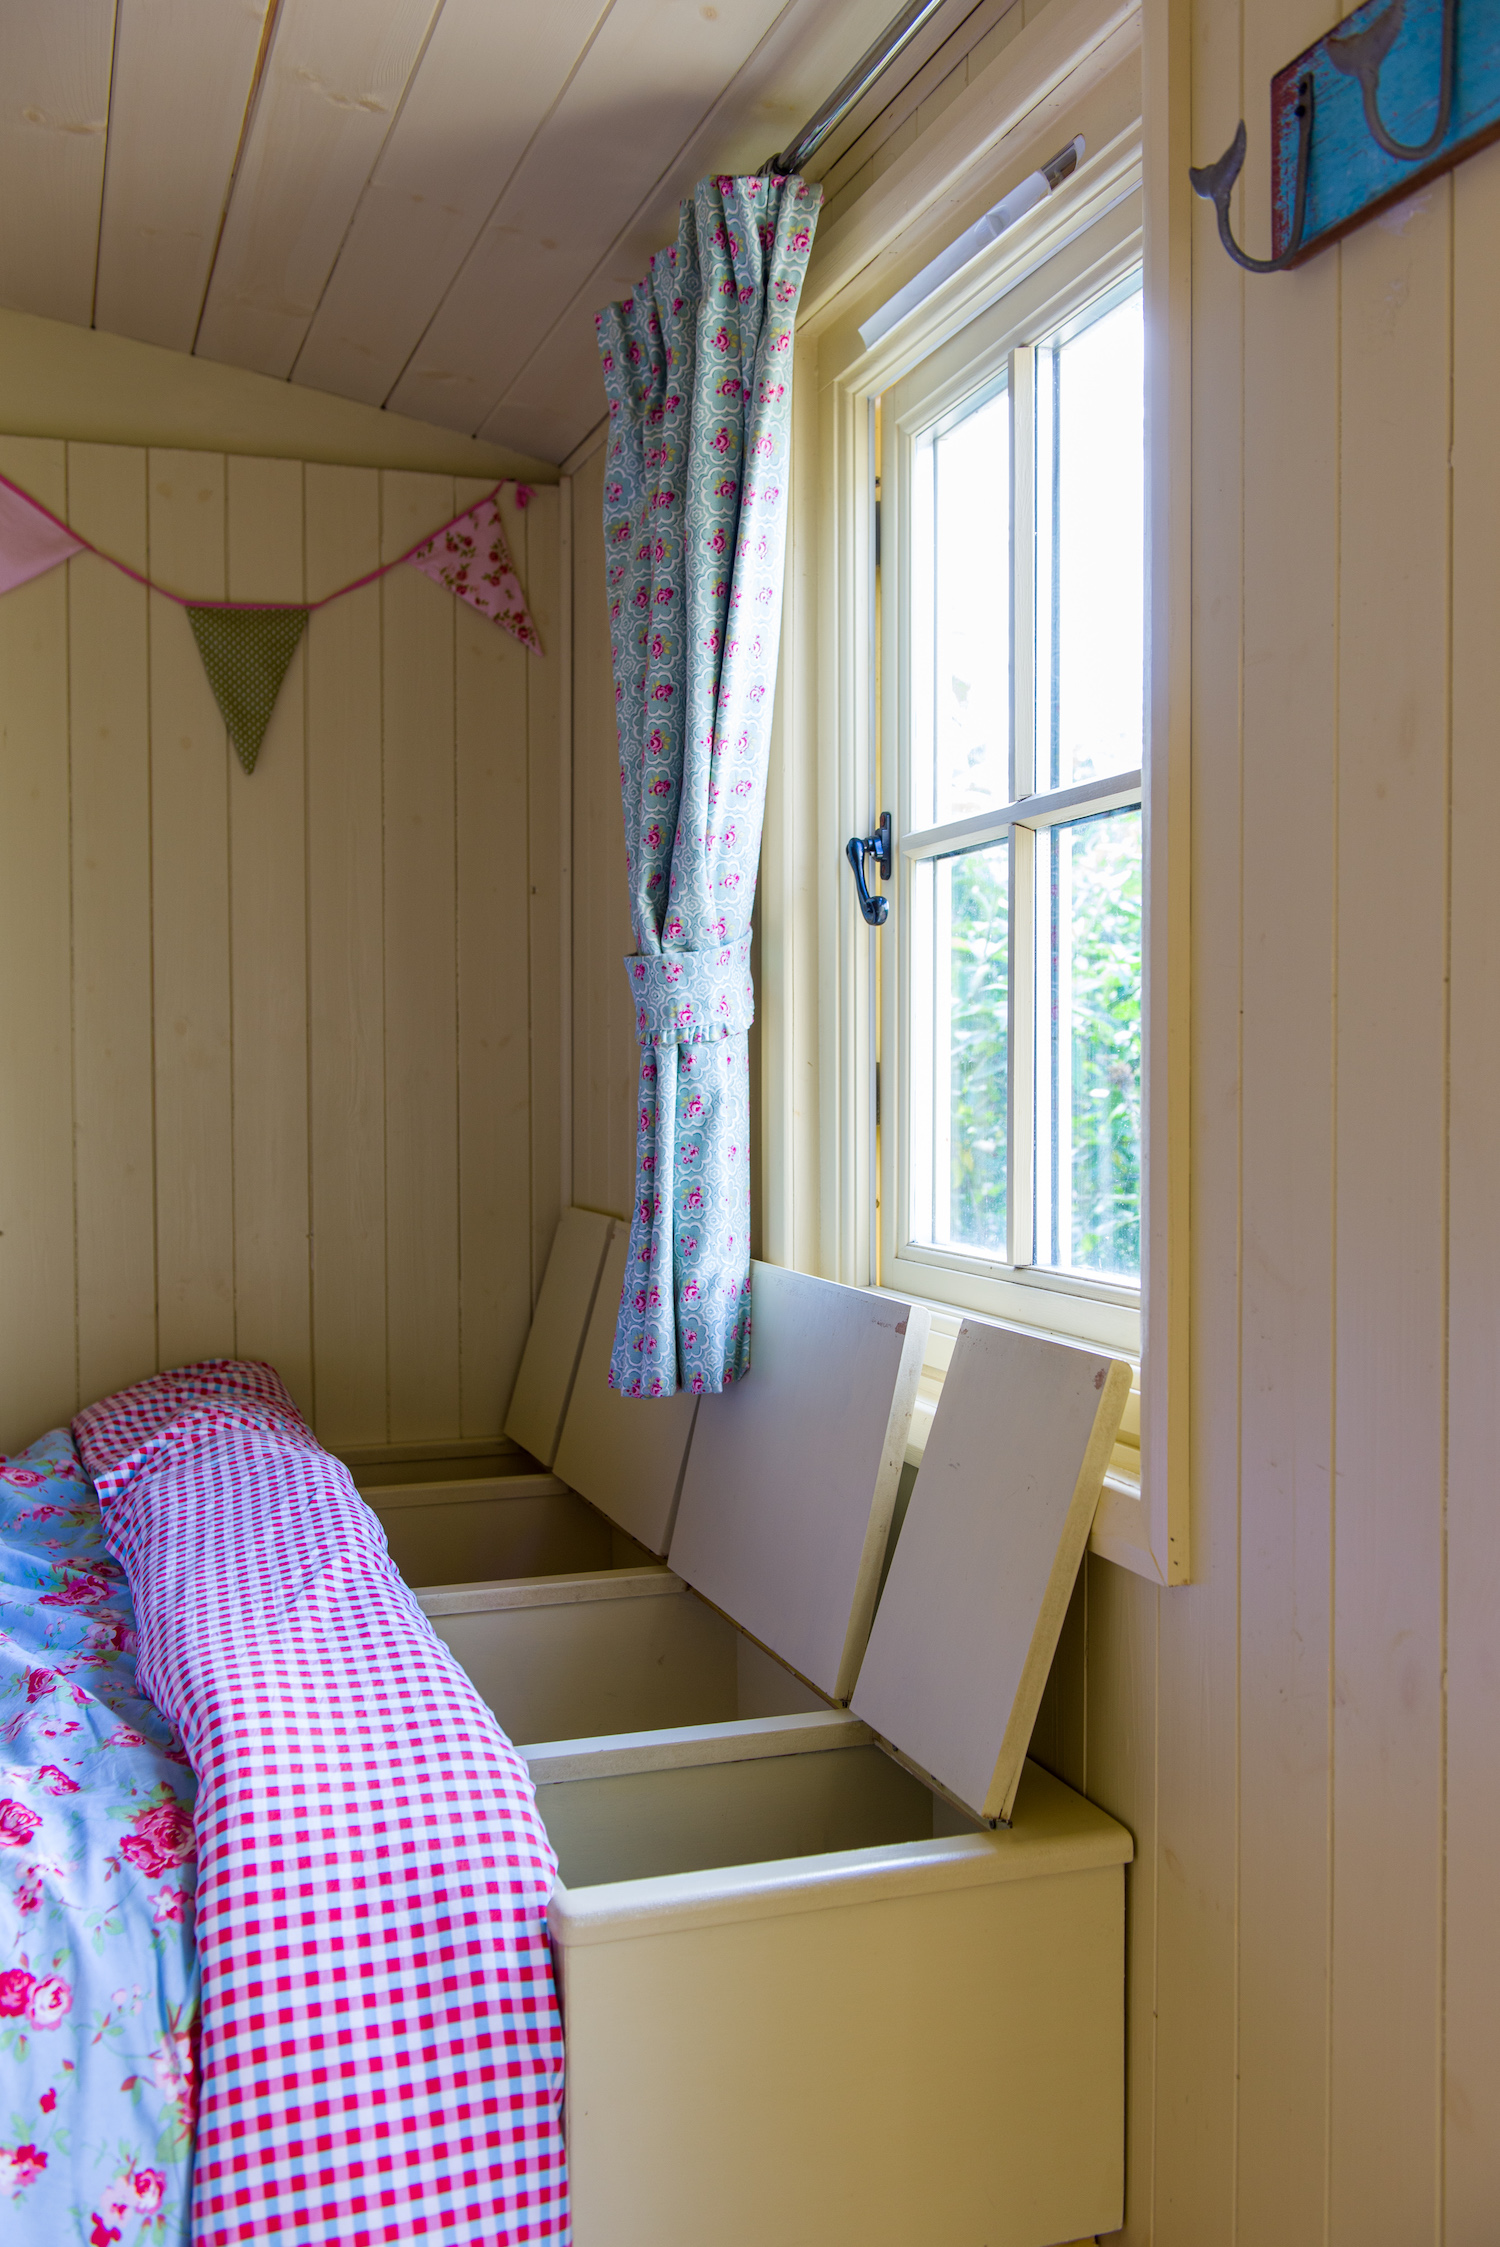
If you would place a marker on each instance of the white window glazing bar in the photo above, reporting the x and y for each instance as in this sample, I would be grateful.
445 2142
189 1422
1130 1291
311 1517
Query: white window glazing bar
1111 792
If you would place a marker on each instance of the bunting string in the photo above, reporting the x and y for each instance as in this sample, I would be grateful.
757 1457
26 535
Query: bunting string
79 544
247 646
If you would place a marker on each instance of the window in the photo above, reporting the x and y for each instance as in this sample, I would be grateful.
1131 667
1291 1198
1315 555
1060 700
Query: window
1011 645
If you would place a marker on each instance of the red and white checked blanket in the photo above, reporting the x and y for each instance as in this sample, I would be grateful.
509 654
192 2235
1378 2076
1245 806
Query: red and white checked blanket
382 2049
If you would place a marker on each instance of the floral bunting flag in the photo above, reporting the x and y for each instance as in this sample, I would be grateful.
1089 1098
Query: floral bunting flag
470 557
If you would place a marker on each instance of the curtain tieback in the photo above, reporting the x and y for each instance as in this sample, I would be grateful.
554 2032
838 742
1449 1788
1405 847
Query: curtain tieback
692 998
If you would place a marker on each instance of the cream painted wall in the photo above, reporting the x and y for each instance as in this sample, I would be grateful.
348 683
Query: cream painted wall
1305 1741
57 380
281 1056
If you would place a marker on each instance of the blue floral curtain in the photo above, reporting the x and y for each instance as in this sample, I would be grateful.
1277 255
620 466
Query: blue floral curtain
698 367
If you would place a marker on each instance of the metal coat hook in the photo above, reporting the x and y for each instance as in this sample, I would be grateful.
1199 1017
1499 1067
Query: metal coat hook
1216 183
1361 55
1346 175
878 847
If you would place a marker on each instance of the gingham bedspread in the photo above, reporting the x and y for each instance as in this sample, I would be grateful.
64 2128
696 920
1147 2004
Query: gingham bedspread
381 2043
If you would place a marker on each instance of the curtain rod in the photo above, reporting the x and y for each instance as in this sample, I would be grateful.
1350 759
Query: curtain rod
893 41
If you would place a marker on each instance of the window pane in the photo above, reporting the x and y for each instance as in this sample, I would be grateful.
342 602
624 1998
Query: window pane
961 616
1089 1046
959 1135
1091 549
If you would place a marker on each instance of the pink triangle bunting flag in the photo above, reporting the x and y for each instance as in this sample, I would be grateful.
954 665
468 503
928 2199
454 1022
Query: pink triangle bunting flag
30 542
470 557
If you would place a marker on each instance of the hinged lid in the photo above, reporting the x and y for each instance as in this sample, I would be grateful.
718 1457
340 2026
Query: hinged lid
624 1454
984 1568
791 1479
539 1401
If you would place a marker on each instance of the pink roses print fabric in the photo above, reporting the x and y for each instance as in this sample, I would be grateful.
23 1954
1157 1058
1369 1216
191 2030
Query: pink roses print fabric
381 2043
698 370
98 1970
473 561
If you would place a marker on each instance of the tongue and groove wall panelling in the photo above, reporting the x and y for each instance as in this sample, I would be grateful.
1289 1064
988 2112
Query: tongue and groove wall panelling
649 74
190 898
38 1294
1291 763
178 90
549 783
280 1054
1389 1214
109 724
346 956
605 1063
487 75
1471 2174
331 88
54 66
268 953
421 973
494 1074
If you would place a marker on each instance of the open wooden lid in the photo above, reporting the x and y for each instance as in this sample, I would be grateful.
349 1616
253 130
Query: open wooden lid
791 1479
981 1577
624 1454
549 1362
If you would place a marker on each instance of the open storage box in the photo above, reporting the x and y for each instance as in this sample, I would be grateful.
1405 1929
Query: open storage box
509 1515
809 1451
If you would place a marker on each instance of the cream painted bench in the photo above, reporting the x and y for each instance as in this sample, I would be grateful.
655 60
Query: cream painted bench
816 1992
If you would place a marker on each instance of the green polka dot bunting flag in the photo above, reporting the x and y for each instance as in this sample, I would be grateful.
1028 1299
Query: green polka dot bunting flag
246 653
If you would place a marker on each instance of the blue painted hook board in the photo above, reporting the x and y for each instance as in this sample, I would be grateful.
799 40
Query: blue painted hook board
1349 176
1398 92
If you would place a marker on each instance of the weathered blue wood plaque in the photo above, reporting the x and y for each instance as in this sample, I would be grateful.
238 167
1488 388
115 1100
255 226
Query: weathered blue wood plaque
1350 176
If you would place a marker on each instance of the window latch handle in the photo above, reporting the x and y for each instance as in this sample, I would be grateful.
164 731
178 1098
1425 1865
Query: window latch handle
878 847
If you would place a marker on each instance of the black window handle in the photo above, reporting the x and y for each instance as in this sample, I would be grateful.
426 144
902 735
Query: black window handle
878 847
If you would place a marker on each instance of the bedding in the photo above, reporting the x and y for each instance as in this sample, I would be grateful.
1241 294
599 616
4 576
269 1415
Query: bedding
98 1973
381 2054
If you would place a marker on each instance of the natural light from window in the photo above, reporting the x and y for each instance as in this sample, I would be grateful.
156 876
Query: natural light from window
1023 1108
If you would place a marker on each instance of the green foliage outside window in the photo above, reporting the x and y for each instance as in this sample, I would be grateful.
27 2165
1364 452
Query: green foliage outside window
1106 1182
1102 1231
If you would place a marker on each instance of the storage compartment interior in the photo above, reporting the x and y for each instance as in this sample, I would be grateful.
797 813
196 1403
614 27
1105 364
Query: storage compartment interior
649 1658
640 1825
476 1529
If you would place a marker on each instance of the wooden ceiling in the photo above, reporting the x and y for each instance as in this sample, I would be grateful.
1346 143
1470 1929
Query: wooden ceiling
415 203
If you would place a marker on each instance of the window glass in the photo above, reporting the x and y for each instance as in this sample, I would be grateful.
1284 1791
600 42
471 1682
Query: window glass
1089 1045
1010 1156
961 614
1091 549
971 896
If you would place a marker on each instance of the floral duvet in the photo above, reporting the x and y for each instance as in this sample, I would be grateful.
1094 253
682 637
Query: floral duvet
98 1972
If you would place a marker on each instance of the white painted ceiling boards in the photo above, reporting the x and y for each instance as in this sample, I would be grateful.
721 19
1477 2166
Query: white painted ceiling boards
413 203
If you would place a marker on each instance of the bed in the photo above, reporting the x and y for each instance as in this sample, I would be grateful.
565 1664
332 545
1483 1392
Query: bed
274 1884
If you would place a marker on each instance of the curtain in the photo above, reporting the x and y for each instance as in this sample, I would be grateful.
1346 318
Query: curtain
698 370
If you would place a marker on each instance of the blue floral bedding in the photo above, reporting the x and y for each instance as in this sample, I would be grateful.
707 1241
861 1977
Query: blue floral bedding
98 1974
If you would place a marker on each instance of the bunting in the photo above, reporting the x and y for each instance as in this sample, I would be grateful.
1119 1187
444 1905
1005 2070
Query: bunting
245 653
247 646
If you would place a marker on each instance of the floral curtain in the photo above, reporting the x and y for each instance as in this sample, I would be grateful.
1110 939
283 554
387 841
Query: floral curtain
698 368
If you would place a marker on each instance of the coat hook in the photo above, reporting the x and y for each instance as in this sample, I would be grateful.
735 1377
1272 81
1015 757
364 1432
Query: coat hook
1215 182
1361 54
878 846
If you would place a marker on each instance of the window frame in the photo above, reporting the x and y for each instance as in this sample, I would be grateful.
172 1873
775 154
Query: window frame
926 389
1121 77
